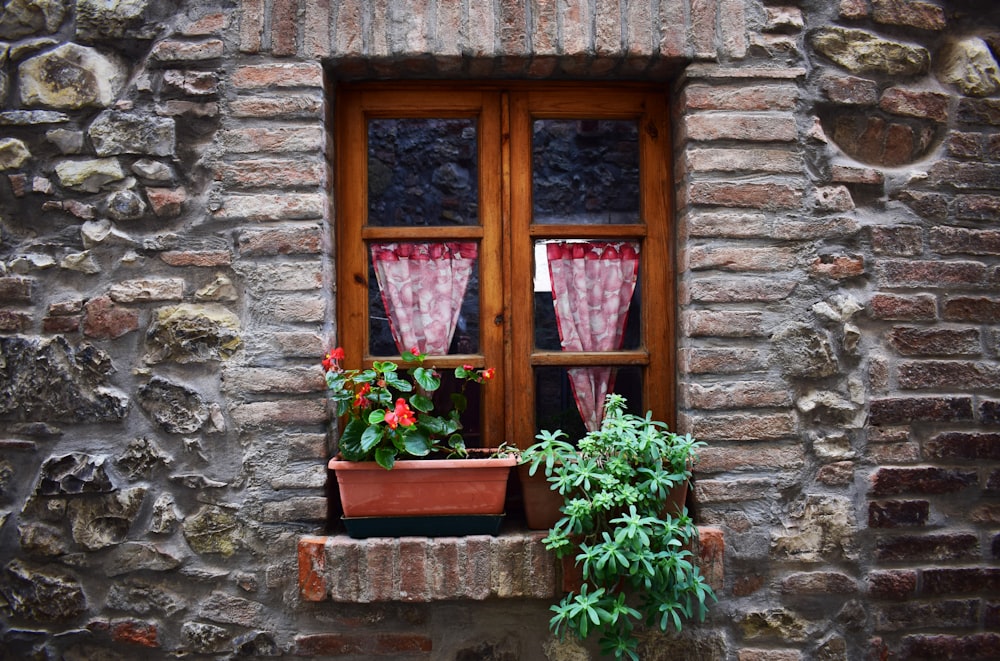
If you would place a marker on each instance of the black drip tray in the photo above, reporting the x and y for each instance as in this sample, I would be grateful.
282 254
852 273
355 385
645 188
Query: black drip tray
422 526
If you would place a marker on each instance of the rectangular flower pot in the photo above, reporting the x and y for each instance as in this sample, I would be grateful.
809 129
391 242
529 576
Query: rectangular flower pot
425 487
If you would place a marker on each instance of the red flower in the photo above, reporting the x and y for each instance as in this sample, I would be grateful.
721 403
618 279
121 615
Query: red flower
415 351
333 358
489 373
361 398
400 416
468 368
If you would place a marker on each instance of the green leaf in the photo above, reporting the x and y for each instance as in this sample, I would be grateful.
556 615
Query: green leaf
459 402
376 416
417 443
427 379
421 403
350 440
370 438
386 458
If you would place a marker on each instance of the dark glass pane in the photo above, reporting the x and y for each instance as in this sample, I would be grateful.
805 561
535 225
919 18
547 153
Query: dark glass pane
555 406
605 306
422 288
585 171
422 172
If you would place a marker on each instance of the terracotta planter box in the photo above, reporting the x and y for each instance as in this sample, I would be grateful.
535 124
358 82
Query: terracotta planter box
428 487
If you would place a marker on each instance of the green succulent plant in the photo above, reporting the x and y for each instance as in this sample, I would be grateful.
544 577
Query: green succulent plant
634 555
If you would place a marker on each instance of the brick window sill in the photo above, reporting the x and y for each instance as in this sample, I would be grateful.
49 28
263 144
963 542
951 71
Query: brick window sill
514 564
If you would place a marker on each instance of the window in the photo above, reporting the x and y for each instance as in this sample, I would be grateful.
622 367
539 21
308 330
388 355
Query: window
519 226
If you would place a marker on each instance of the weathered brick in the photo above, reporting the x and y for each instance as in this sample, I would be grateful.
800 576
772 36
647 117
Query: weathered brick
150 289
911 341
363 644
962 144
971 309
284 27
898 241
172 50
271 207
971 647
839 473
102 319
291 309
702 27
894 584
845 174
927 548
954 375
736 394
912 13
280 75
349 30
290 380
743 427
989 412
734 258
930 274
933 206
913 103
14 289
754 654
280 413
194 83
889 481
733 491
735 323
316 25
203 26
893 453
135 632
166 202
275 139
272 172
740 97
720 360
735 160
891 307
961 240
963 175
896 513
757 196
283 240
251 25
915 615
197 257
838 267
960 580
818 582
743 289
849 90
757 127
977 207
897 410
719 459
60 324
285 106
970 446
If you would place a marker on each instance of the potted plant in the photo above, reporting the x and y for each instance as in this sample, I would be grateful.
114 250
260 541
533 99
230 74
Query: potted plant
630 541
397 457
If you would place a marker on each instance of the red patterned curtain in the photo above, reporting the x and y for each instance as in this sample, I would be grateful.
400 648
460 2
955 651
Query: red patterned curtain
592 286
422 286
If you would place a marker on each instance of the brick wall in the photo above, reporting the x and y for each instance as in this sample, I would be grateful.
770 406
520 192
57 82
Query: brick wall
165 291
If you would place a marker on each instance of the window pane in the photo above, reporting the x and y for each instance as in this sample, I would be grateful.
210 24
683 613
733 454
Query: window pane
423 295
422 172
556 406
585 171
587 295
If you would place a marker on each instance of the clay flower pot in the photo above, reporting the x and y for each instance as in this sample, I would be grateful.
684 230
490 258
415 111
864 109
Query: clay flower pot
423 487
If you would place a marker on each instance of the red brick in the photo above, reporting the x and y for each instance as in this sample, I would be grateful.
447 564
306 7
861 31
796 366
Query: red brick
756 127
349 30
719 459
733 258
960 240
284 27
741 97
102 319
316 41
926 273
891 307
736 394
927 548
285 106
952 613
899 241
737 323
972 647
720 361
921 480
818 582
166 202
135 633
950 375
971 446
14 289
280 76
933 206
896 513
989 412
204 26
853 9
756 196
743 427
14 320
261 207
844 174
964 175
960 580
285 240
741 290
849 90
894 584
197 257
272 172
392 644
840 473
911 13
912 103
60 324
702 27
977 207
971 309
838 267
711 556
274 139
910 341
964 145
312 568
251 25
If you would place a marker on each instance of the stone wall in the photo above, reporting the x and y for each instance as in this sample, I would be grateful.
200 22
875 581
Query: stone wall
165 295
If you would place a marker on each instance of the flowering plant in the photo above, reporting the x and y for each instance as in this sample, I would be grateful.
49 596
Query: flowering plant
391 416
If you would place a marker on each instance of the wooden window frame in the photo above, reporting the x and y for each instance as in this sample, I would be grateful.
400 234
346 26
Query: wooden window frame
504 113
